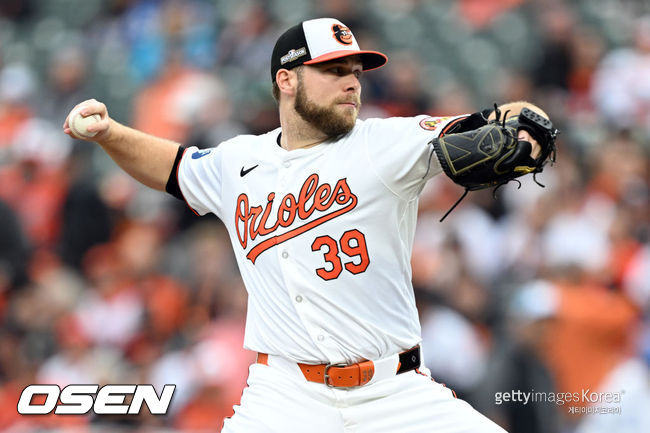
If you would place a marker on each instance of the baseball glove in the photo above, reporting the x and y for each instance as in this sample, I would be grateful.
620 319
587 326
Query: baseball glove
492 155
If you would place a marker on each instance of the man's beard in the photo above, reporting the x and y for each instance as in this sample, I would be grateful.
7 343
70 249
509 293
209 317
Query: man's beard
328 121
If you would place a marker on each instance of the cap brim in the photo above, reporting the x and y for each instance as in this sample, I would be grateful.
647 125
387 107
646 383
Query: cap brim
369 59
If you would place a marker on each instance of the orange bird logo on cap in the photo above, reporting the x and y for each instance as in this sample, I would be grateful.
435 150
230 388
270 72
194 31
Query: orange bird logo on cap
342 34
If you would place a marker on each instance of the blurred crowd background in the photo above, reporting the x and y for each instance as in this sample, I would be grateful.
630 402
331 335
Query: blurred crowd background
539 289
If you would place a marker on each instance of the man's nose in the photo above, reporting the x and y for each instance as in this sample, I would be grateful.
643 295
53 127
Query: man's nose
352 83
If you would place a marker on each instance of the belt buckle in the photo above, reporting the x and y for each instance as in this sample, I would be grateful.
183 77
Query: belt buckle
326 376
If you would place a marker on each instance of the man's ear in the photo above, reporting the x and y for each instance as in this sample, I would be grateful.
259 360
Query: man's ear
287 81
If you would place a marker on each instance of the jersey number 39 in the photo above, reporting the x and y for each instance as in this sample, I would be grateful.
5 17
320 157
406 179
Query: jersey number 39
352 244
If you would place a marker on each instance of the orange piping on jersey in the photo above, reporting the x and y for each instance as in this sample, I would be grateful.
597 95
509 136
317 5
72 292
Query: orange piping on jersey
450 124
417 370
452 391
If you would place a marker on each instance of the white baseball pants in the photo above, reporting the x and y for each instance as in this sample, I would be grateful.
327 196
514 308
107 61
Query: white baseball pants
278 399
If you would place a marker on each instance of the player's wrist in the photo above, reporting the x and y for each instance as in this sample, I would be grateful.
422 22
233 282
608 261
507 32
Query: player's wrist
113 133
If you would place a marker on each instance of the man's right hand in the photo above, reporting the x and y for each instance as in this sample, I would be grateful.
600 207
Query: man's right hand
88 108
146 158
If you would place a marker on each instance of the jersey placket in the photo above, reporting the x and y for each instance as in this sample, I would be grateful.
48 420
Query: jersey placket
289 177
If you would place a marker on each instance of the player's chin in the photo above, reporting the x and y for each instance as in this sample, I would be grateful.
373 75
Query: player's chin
348 120
338 125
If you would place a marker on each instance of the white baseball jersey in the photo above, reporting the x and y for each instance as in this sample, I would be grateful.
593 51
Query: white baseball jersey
322 235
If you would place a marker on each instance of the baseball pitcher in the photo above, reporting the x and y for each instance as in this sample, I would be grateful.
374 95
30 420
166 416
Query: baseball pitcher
321 214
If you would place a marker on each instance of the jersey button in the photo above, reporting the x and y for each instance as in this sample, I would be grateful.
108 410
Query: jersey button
287 164
298 298
321 337
285 254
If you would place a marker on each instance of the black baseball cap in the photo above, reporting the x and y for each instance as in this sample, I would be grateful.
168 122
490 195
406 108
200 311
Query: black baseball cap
316 41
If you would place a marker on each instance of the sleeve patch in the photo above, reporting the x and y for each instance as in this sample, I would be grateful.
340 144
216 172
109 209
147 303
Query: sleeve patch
201 153
431 123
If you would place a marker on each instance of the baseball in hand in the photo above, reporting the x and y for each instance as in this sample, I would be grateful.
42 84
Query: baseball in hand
79 124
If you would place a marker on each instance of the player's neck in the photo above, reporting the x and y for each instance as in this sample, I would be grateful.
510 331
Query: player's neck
297 133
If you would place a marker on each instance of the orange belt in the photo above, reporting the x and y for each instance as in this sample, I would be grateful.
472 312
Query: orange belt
347 376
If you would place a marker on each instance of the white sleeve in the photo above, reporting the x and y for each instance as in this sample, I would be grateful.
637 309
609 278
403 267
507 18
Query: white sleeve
400 152
200 179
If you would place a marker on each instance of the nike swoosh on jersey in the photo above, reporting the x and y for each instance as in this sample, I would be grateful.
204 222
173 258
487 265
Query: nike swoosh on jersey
243 172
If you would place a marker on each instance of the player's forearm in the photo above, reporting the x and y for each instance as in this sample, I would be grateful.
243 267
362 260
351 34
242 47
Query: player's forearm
146 158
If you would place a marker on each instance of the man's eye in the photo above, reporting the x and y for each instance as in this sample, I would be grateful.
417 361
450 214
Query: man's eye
341 71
